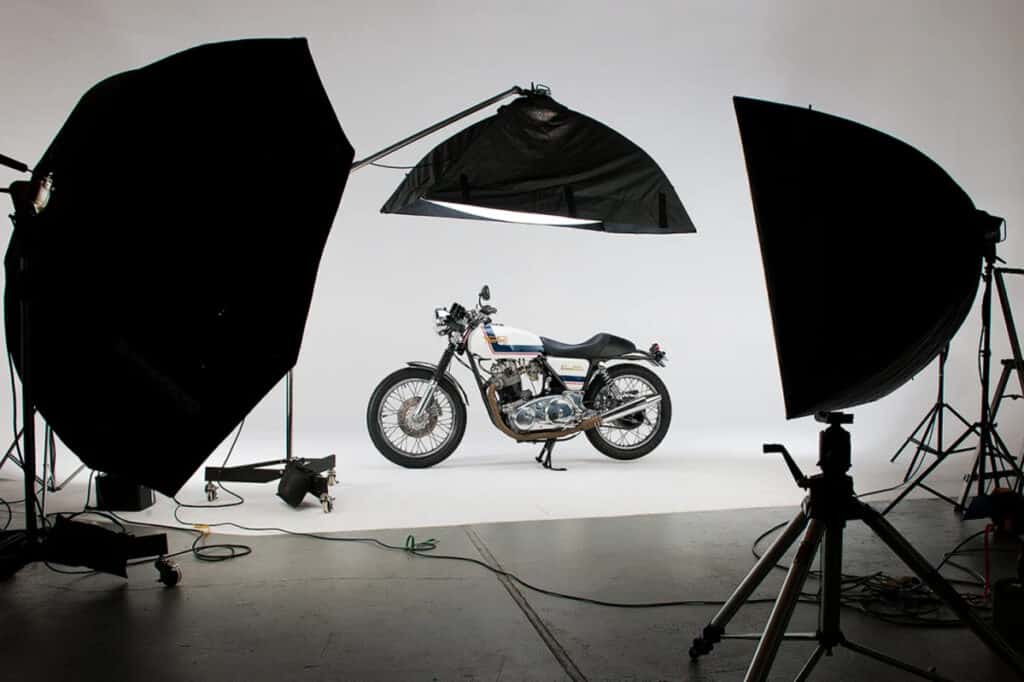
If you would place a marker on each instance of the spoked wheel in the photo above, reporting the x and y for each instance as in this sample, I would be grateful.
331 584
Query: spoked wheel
636 434
411 440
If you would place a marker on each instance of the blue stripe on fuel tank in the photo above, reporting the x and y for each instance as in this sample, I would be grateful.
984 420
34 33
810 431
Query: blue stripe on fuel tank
492 339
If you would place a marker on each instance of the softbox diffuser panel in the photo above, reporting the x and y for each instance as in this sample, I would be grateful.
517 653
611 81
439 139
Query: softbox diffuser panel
172 272
537 156
871 253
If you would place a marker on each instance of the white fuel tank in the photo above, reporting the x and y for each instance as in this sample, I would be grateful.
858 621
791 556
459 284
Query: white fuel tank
496 341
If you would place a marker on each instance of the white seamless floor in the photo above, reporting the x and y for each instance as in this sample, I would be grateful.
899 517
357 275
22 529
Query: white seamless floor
493 480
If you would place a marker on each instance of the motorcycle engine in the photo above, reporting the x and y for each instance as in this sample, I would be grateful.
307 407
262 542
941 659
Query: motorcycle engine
549 412
523 411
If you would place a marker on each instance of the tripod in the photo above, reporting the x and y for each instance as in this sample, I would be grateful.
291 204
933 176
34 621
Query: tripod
830 503
994 466
932 425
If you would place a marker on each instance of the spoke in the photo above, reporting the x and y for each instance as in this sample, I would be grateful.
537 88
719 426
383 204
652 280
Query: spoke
406 395
620 391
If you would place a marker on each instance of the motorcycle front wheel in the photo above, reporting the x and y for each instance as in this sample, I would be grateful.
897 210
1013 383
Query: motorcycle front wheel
637 434
411 441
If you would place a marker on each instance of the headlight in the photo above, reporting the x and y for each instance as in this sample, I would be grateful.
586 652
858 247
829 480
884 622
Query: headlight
441 321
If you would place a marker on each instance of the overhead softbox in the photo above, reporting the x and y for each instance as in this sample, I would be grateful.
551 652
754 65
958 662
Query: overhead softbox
557 166
170 276
871 252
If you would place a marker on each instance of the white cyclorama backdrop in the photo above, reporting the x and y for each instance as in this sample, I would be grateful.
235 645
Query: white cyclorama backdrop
943 76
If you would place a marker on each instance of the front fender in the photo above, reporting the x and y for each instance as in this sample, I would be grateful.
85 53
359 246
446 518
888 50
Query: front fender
431 366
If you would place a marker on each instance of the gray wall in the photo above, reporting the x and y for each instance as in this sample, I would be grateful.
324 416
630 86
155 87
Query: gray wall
944 76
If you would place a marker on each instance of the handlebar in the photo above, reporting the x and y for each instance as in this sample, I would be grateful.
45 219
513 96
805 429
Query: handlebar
457 318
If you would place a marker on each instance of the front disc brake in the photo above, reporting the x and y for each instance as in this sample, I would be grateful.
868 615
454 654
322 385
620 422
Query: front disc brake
424 424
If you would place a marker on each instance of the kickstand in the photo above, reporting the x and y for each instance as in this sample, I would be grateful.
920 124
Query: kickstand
545 456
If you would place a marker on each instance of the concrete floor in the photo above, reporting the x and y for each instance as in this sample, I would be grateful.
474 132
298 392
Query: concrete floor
299 609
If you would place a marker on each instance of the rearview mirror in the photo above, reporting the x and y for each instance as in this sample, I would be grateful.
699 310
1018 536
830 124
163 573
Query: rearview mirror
485 293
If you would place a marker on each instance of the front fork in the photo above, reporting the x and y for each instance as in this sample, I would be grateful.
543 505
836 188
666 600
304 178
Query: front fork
439 371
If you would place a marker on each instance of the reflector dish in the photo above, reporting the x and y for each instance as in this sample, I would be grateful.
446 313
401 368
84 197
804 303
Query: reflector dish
538 157
871 252
172 271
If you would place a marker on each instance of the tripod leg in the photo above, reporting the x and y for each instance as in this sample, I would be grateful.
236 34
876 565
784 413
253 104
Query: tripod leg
969 481
930 415
962 418
894 662
1011 466
829 634
712 633
924 445
941 456
775 629
917 482
913 559
805 671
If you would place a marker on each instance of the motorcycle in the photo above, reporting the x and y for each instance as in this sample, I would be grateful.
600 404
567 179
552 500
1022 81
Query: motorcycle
534 389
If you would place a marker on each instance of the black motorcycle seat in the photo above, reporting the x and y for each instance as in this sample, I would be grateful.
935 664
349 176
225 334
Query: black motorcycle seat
597 347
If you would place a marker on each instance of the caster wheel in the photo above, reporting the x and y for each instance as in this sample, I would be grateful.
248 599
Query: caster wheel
327 502
170 574
211 492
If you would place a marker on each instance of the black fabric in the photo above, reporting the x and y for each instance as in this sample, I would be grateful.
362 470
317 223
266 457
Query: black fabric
871 252
538 156
598 346
173 269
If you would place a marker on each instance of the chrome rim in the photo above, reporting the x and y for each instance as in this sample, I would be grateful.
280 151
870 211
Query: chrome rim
632 431
405 433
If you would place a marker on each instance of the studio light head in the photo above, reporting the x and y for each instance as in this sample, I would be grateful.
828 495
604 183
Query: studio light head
871 252
992 230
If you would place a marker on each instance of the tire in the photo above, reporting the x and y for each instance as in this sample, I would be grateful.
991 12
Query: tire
600 437
397 393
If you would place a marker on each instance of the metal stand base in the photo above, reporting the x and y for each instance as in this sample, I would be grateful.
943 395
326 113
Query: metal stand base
259 472
544 458
994 466
940 455
826 509
932 427
73 543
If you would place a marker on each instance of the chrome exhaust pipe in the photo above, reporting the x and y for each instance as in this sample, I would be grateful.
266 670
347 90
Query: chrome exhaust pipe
621 411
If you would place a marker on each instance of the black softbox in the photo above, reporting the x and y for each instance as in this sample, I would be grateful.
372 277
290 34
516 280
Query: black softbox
537 156
170 276
872 253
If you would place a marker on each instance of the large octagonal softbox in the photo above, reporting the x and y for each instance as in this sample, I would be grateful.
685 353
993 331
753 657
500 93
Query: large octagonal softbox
871 252
538 161
170 276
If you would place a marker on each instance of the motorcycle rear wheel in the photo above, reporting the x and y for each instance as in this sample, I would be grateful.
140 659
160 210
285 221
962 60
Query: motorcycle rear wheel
405 440
635 435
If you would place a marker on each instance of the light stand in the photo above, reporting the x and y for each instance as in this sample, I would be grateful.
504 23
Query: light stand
994 466
69 542
932 425
19 548
258 473
830 503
